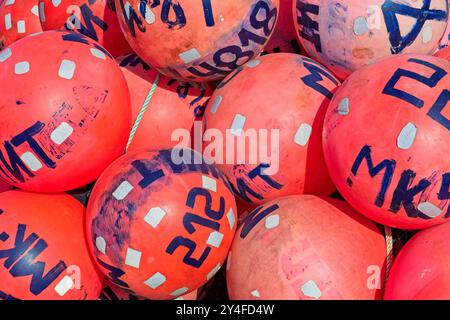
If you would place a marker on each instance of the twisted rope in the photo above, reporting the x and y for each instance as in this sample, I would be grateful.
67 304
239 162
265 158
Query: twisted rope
389 251
143 110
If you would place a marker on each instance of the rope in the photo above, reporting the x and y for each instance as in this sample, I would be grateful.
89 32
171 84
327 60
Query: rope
389 251
143 110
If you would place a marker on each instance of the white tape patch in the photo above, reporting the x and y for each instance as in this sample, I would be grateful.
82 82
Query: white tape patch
209 184
133 258
215 239
122 190
31 161
61 133
67 69
429 209
303 134
155 216
238 125
155 280
64 286
407 136
190 55
311 290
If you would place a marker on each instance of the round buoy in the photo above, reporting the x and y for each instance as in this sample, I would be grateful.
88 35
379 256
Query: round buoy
162 108
95 19
284 37
385 141
421 270
43 252
65 112
271 131
203 40
305 247
160 224
17 20
346 35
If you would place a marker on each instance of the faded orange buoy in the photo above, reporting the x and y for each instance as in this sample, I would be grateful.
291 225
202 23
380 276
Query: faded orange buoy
158 227
306 248
65 112
284 37
385 141
160 105
421 270
283 119
95 19
18 19
346 35
203 40
43 252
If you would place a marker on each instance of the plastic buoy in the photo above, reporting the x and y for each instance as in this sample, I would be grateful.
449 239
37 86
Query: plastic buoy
202 40
17 20
282 118
95 19
43 252
113 293
65 112
284 37
160 105
306 248
421 270
346 35
385 141
158 226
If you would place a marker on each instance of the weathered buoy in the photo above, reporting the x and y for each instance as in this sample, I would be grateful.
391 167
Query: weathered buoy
202 40
385 141
159 226
65 112
347 35
43 252
268 134
306 248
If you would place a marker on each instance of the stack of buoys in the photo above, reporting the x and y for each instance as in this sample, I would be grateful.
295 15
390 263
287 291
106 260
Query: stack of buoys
183 150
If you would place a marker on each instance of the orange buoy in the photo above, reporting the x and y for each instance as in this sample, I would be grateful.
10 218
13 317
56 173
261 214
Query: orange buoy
305 247
159 226
95 19
17 20
65 112
43 252
203 40
385 141
113 292
421 270
160 105
282 118
346 35
284 37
